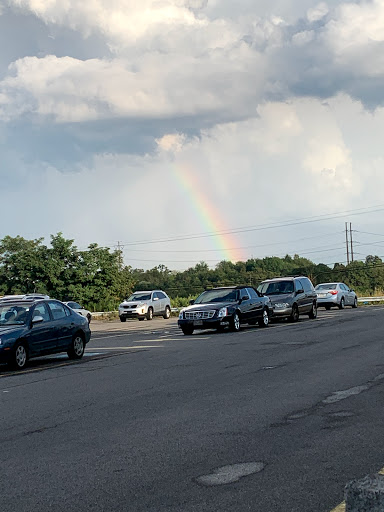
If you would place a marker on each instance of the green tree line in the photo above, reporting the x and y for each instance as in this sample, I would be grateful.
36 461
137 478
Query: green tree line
98 279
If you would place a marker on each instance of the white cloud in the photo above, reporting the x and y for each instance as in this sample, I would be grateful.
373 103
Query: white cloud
317 13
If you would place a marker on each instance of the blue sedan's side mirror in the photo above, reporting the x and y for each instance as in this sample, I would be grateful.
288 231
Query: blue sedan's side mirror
37 319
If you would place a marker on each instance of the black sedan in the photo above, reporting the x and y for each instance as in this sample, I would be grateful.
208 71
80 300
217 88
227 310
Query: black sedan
226 307
34 327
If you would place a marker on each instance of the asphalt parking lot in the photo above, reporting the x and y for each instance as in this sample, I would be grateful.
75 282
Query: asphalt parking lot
275 419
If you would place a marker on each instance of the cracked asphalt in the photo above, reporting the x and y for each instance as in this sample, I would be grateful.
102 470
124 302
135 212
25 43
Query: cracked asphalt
149 413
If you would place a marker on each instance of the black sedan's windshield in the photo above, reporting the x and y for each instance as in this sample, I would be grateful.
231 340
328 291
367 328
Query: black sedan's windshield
11 314
222 295
276 287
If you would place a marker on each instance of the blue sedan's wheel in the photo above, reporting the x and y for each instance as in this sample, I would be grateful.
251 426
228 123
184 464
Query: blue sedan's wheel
20 357
77 347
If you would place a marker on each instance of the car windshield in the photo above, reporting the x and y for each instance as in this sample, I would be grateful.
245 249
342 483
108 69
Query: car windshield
276 287
139 296
222 295
326 286
11 314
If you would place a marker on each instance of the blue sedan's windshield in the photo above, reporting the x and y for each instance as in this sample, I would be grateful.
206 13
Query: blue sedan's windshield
12 314
222 295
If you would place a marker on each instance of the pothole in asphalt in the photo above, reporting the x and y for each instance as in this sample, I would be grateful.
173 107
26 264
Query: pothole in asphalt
229 474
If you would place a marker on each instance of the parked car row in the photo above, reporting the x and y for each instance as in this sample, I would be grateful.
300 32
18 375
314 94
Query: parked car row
283 297
73 305
31 327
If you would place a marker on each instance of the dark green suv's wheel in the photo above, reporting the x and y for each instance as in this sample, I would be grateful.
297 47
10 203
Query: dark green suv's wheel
187 330
235 322
264 320
295 314
150 314
313 313
77 347
19 356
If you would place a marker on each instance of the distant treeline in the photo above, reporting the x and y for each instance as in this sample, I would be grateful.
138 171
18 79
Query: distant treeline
97 278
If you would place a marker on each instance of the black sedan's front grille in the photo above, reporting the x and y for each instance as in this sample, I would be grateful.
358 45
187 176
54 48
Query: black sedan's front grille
199 315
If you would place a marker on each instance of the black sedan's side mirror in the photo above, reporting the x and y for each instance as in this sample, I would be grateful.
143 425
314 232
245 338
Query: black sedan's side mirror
191 302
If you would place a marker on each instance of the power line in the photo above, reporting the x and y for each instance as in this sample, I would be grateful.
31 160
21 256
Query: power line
262 227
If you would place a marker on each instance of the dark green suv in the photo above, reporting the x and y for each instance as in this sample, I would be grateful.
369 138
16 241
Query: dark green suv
290 297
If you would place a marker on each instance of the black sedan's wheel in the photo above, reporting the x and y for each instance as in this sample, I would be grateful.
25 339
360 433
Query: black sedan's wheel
150 314
235 322
342 303
167 313
313 313
187 330
264 320
123 319
295 314
77 347
19 357
354 305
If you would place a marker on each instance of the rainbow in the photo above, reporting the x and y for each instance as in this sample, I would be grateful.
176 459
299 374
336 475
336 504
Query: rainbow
209 216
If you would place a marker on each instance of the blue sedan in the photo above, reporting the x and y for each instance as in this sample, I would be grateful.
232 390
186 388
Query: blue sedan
35 327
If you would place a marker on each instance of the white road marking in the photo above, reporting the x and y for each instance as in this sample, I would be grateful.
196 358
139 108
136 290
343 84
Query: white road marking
337 396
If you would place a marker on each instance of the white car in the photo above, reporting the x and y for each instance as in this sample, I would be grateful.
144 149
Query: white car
80 310
145 304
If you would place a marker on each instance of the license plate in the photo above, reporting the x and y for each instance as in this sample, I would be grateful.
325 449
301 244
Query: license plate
198 322
322 295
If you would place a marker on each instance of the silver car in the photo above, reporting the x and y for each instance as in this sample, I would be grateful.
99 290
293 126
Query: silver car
335 294
145 304
80 310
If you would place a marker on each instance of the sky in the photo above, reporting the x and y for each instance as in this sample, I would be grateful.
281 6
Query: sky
190 130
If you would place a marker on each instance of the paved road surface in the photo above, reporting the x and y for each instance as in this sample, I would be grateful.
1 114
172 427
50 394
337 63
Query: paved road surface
145 419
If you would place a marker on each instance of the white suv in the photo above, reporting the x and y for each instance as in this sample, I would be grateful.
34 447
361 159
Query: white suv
145 304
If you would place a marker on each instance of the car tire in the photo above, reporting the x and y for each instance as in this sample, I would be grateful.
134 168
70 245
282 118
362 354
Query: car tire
77 348
313 313
354 305
264 320
187 331
89 318
149 314
235 322
167 313
19 356
342 303
123 319
294 317
141 318
327 308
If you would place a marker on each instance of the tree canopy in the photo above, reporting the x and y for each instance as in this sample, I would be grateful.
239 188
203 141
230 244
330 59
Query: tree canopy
97 278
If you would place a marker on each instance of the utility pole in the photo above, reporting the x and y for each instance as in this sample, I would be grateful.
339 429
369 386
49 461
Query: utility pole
120 249
346 241
351 239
